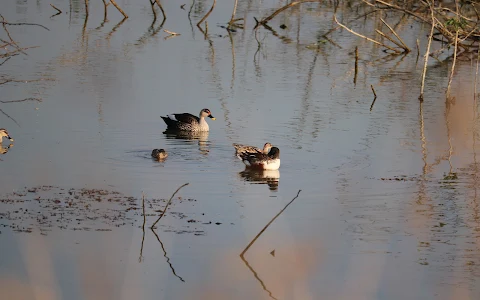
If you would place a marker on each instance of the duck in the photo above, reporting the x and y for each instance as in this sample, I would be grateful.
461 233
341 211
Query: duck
188 122
262 161
4 133
239 149
159 154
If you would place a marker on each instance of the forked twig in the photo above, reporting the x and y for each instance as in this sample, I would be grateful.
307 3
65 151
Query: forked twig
362 36
268 224
405 47
166 206
374 97
56 8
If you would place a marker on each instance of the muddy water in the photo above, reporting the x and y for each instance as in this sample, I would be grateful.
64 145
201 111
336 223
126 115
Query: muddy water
388 207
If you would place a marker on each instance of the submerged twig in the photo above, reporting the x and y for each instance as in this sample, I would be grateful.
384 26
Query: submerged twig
119 9
56 8
268 224
374 97
275 13
255 274
356 66
476 77
161 9
8 116
143 228
208 13
166 206
23 100
165 255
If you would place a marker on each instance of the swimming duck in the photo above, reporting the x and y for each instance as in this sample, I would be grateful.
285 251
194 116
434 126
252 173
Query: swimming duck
244 149
270 161
4 133
188 122
159 154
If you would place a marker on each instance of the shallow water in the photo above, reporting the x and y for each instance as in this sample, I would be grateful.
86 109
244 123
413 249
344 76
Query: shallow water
388 207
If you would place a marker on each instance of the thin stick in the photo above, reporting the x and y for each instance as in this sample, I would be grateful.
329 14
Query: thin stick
86 9
476 75
59 11
8 116
105 5
171 32
165 255
453 66
268 224
374 97
232 19
143 209
166 206
390 39
373 90
22 100
161 8
398 37
118 8
356 66
418 48
275 13
16 24
143 228
362 36
427 51
208 13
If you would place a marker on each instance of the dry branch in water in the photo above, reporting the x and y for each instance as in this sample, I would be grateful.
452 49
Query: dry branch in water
268 224
275 13
56 8
119 9
362 36
208 13
166 206
161 8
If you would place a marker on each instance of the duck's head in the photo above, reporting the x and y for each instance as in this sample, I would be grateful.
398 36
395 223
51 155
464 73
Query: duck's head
4 133
159 153
266 148
206 113
274 153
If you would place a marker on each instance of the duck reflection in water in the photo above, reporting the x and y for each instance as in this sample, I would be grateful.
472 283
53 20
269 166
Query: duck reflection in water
201 137
256 176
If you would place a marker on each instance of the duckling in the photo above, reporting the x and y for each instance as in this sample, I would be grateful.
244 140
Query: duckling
244 149
159 154
270 161
188 122
4 133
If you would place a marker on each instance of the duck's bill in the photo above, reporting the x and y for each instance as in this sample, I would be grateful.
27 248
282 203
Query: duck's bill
10 138
212 117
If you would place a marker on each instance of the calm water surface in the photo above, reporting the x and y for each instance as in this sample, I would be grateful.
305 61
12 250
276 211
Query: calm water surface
388 207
